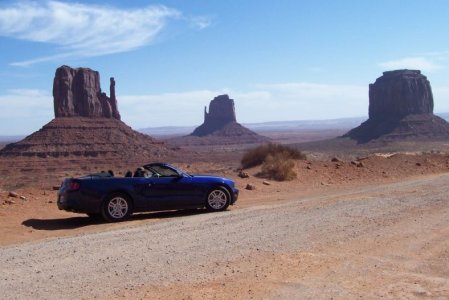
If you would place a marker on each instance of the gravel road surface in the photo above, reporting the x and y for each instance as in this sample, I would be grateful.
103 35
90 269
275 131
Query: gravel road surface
198 248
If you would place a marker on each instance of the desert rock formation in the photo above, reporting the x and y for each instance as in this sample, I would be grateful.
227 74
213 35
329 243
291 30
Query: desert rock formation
77 93
220 126
400 106
87 124
221 113
400 93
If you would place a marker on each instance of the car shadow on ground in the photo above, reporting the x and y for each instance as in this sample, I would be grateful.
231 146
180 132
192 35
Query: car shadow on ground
82 221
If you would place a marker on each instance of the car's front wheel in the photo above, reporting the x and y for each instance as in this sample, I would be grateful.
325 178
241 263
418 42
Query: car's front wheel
218 199
117 207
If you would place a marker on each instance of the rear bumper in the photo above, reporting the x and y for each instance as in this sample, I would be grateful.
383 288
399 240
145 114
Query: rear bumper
74 202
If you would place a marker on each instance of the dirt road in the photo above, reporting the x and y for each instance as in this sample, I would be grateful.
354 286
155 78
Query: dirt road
389 241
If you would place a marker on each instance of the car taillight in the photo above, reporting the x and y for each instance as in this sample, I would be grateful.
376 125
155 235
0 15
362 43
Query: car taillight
73 186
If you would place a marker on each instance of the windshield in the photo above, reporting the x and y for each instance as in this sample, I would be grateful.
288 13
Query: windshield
164 171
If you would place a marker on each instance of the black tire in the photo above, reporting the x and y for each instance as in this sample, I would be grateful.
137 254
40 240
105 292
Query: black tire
117 207
218 199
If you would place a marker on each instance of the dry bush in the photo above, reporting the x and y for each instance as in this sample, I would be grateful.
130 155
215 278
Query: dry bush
256 156
278 167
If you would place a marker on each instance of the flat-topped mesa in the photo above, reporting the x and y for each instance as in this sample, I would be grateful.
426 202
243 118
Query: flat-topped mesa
221 110
77 93
400 107
400 93
221 113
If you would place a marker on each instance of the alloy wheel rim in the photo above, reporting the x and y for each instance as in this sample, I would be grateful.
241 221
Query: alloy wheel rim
217 199
118 208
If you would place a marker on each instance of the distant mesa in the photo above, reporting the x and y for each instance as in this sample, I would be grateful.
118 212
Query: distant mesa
220 126
400 107
87 123
221 113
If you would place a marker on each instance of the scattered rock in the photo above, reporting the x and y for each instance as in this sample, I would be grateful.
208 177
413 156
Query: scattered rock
358 164
308 167
50 201
13 194
266 182
23 197
243 174
250 187
335 159
8 201
418 164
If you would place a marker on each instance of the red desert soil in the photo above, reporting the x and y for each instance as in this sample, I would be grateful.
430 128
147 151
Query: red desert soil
37 217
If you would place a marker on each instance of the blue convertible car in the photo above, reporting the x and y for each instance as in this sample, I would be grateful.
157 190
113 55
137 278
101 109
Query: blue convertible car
153 187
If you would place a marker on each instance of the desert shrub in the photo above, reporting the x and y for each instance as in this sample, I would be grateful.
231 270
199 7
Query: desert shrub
256 156
278 167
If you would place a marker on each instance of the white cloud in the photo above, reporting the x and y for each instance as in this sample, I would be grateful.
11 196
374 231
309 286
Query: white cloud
425 64
441 99
24 111
307 101
262 103
168 109
85 29
201 22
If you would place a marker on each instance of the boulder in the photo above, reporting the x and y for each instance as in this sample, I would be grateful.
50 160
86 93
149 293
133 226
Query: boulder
243 174
77 93
250 187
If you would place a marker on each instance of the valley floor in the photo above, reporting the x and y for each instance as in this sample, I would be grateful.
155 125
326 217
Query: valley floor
377 240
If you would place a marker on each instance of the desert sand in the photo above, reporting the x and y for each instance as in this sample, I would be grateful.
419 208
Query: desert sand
371 228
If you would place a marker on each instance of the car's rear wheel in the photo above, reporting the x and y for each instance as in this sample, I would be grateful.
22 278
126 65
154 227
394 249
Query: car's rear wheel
218 199
117 207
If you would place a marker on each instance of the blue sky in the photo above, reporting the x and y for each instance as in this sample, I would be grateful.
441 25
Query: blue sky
279 60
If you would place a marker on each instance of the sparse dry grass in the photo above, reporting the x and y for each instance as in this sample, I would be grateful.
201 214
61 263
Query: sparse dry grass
278 167
258 155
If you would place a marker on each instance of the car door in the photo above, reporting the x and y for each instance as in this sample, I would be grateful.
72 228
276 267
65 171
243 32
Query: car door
169 192
170 189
